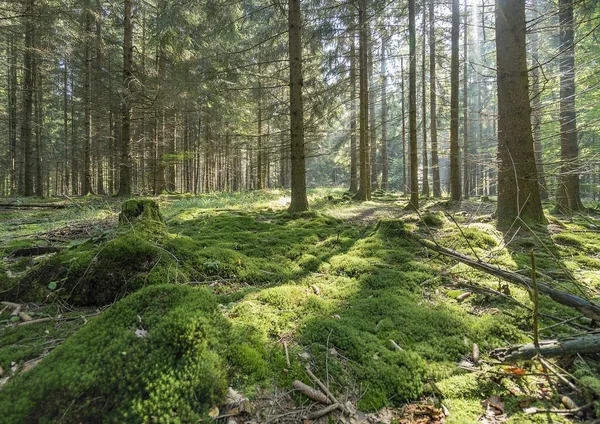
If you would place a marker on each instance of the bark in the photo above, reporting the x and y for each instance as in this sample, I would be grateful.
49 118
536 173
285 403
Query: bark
353 152
384 118
299 201
465 106
27 107
537 110
97 89
569 197
39 128
125 173
585 307
12 117
66 169
87 105
364 189
518 194
549 349
372 128
455 184
424 106
403 95
412 106
435 167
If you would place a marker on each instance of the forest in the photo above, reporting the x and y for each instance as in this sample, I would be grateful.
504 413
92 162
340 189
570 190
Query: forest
315 211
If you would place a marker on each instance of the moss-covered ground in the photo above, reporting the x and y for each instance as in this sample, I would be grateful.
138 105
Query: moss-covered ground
204 296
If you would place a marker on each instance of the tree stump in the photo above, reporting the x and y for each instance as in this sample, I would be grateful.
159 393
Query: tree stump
140 211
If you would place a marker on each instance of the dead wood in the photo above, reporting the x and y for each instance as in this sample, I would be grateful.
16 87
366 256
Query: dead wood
35 251
33 205
549 348
311 393
585 307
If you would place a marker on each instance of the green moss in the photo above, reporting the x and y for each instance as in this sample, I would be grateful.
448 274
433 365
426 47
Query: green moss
350 265
433 219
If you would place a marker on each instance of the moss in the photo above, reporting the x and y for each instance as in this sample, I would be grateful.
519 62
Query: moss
350 265
433 219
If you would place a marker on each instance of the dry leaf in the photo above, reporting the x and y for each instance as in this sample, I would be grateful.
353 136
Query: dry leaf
214 412
496 403
515 370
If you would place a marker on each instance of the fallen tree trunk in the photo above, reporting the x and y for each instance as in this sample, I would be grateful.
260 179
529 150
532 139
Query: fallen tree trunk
549 348
584 306
35 251
33 205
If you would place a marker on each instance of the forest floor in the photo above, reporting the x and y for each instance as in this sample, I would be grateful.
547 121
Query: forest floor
397 332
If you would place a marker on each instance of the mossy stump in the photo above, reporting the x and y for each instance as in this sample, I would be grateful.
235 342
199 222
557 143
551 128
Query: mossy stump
135 211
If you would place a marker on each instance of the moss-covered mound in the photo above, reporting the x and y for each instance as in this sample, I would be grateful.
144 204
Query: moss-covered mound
156 356
98 272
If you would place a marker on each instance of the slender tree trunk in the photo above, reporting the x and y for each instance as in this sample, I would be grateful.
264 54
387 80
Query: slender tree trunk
353 150
372 128
12 116
384 119
405 183
39 128
364 189
27 108
66 126
465 106
299 201
518 194
569 197
537 110
87 105
97 120
435 167
126 105
424 105
455 185
260 183
412 108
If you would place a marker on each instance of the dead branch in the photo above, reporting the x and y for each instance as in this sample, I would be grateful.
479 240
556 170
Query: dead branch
585 307
324 411
549 348
311 393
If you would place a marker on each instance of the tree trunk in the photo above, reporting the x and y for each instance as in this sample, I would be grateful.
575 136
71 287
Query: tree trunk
537 109
353 151
403 95
39 128
299 202
384 118
435 167
518 194
126 104
455 185
66 173
424 106
27 108
569 197
549 349
87 105
466 162
12 117
364 189
372 128
412 106
97 116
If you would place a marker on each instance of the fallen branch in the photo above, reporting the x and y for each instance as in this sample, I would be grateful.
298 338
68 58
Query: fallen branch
325 389
585 307
324 411
549 348
311 393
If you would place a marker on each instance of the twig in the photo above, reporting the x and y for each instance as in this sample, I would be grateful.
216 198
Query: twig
324 388
557 374
561 411
287 355
324 411
536 303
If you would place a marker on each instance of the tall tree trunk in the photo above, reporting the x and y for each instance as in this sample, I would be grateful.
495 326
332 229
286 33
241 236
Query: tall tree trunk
435 166
569 197
27 108
455 186
372 128
299 201
259 147
384 118
12 117
412 107
424 105
405 183
364 188
353 150
537 109
126 104
87 105
97 92
39 128
66 169
518 194
466 162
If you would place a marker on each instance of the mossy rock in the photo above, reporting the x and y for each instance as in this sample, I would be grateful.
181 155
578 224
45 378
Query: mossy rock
156 356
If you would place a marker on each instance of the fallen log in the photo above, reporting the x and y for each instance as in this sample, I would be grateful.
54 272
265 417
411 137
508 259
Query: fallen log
35 251
549 348
33 205
584 306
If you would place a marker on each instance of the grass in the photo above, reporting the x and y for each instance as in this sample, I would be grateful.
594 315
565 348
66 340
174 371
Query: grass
243 275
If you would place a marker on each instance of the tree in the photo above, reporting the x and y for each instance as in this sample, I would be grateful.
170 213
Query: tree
412 106
424 105
27 107
455 186
364 188
299 200
518 194
569 198
435 167
126 102
353 155
384 119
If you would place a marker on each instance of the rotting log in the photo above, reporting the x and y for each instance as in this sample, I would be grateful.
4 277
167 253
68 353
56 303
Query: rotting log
35 251
33 205
584 306
549 348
